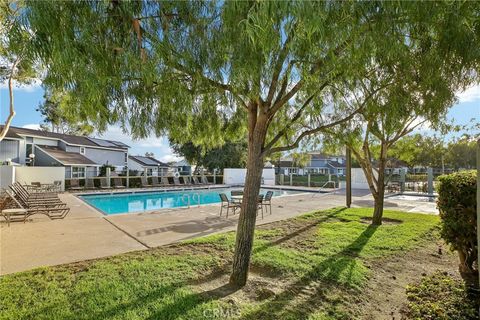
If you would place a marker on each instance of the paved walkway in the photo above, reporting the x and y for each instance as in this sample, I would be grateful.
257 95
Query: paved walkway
87 234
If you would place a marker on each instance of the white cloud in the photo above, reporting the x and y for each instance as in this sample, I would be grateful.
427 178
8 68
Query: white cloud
158 145
169 158
34 126
30 87
470 94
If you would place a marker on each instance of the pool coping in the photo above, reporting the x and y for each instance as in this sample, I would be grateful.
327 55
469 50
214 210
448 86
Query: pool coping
105 214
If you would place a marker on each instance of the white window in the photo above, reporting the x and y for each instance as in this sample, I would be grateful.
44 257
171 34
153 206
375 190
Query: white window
78 172
82 150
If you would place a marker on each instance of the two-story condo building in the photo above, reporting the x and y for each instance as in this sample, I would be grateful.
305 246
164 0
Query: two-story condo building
81 156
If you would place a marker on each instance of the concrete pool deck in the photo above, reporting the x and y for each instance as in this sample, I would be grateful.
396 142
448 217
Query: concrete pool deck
87 234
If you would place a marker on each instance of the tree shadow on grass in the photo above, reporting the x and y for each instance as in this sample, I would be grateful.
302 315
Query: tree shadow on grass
330 215
225 268
166 302
323 277
171 301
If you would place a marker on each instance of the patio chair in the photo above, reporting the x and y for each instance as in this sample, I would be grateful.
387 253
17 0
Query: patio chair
31 202
260 204
89 183
176 181
186 180
267 201
7 213
40 196
117 183
53 212
57 186
205 180
35 202
103 183
165 182
155 182
227 204
75 184
35 186
195 180
145 182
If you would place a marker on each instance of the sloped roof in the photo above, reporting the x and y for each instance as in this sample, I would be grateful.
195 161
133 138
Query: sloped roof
322 156
68 138
336 164
66 158
182 163
148 161
11 134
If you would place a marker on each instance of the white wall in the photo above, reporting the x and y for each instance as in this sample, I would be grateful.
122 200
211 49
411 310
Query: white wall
7 176
27 175
46 142
237 176
359 181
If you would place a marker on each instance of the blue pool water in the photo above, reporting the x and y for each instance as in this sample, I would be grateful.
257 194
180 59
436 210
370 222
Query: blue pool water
143 201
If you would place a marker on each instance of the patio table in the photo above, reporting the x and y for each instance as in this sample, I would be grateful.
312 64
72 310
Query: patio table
239 198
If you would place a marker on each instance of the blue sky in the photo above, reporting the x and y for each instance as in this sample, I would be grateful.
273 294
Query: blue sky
27 99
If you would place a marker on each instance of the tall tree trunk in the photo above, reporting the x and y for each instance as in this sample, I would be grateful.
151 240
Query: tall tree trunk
378 205
248 214
380 194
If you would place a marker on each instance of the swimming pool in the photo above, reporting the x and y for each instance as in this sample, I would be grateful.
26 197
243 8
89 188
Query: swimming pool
117 203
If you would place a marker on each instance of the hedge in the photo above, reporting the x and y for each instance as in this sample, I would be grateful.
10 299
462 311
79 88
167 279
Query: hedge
458 211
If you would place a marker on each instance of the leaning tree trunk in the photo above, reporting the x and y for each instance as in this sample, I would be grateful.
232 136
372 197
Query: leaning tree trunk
380 194
248 214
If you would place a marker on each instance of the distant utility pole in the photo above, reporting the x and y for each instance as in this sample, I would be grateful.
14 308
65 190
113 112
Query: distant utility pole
348 190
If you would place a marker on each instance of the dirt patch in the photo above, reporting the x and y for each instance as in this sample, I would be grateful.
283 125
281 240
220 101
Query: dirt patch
385 295
257 289
387 221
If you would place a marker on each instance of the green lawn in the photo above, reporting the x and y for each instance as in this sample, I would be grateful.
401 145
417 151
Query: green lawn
323 255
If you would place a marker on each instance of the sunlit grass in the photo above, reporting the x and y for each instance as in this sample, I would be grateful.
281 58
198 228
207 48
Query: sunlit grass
162 283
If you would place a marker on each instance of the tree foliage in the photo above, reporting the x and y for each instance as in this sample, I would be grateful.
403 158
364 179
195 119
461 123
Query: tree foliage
208 71
432 151
461 154
405 90
300 159
56 117
419 150
229 155
17 59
